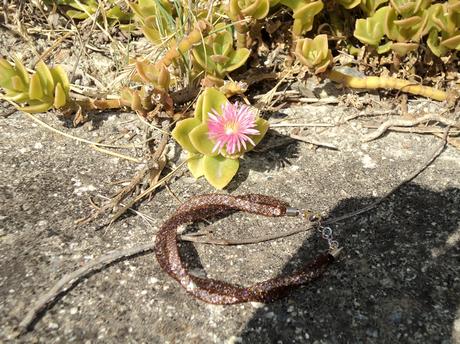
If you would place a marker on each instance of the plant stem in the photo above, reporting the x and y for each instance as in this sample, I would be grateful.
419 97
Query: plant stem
375 82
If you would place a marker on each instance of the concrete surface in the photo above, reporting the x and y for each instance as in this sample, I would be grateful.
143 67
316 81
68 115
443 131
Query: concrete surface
398 280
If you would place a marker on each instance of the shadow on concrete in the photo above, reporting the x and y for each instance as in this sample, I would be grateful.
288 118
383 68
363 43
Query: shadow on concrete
398 280
274 152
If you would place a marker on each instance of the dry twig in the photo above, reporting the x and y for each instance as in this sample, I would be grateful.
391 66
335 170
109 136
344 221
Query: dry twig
313 142
410 123
71 279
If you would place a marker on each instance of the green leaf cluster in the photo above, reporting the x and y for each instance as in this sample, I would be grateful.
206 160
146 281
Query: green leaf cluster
156 75
314 53
192 134
401 25
217 56
303 12
257 9
82 9
155 17
443 27
38 92
370 6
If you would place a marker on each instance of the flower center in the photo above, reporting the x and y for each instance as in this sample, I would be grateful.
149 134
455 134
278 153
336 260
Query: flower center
231 128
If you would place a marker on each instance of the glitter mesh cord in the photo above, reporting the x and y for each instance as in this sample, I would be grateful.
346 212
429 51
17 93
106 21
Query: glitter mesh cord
219 292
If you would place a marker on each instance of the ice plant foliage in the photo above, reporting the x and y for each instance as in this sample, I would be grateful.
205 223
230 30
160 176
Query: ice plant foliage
230 129
216 137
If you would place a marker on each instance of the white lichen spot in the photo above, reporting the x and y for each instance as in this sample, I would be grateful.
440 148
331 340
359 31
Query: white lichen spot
152 280
368 162
86 188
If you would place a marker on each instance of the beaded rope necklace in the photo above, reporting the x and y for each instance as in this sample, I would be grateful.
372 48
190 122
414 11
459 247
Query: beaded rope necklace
220 292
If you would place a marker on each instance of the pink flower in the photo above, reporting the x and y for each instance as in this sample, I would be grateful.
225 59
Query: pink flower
231 128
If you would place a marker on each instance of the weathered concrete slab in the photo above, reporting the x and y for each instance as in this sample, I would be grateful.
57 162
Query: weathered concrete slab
397 281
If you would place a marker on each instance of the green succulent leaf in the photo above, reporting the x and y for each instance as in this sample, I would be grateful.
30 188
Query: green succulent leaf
17 97
18 84
304 12
349 4
452 42
384 48
21 70
221 42
219 171
6 73
237 59
60 97
35 88
181 133
262 9
117 14
200 140
370 6
195 164
60 77
202 56
257 9
46 78
262 126
36 107
208 100
151 34
371 30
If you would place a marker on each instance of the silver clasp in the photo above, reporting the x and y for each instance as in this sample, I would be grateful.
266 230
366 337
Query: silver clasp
290 211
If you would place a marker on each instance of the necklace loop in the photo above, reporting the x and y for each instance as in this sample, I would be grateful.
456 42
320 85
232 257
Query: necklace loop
220 292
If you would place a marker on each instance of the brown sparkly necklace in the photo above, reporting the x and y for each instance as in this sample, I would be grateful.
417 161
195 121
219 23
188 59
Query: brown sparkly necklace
220 292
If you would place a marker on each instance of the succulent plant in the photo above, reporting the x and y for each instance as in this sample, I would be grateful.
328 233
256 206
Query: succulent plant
314 53
372 29
257 9
154 74
404 29
217 56
141 101
409 8
443 25
370 6
405 22
39 92
82 9
155 17
210 154
434 43
304 11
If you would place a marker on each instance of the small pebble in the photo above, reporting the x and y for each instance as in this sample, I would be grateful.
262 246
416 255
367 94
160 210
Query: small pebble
53 326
